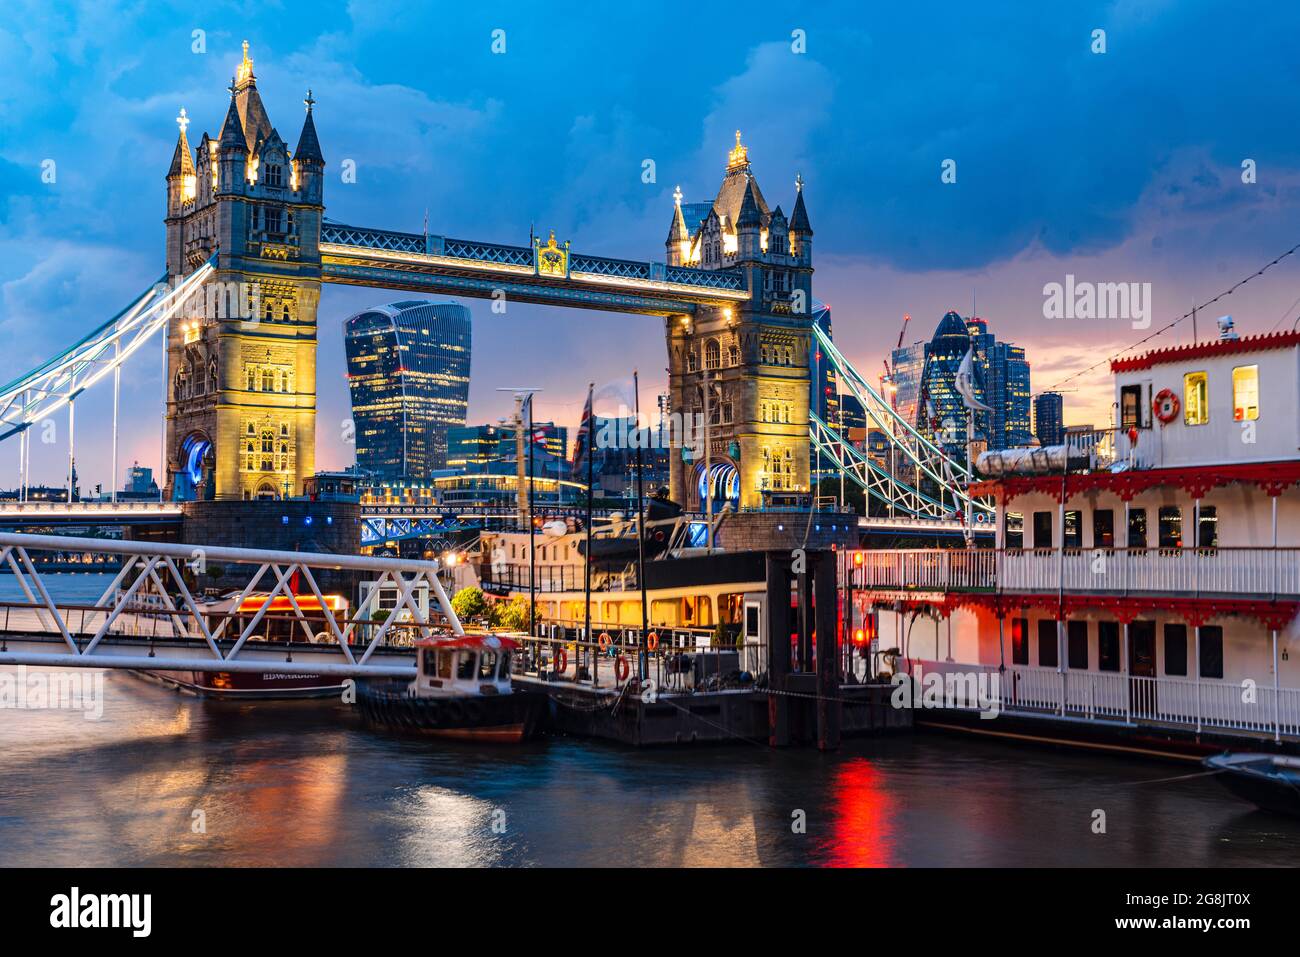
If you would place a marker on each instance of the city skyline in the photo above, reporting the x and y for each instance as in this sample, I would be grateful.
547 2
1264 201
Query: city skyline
1176 213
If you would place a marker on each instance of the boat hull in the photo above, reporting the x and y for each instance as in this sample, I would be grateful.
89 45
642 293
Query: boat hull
1257 778
244 685
504 718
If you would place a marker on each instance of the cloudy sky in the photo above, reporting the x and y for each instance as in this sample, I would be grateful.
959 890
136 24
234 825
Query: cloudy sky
1117 166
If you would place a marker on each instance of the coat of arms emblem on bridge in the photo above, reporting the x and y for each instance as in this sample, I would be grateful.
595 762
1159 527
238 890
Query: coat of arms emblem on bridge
552 259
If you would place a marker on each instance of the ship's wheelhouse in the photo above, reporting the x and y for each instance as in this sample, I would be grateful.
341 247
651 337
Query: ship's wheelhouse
462 666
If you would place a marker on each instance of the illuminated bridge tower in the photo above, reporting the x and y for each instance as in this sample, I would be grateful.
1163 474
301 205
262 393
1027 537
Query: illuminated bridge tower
753 357
241 367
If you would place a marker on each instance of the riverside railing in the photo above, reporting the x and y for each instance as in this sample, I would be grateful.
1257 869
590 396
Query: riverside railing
1219 571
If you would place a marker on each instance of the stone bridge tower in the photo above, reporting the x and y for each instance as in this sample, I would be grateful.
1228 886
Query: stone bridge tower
241 364
755 357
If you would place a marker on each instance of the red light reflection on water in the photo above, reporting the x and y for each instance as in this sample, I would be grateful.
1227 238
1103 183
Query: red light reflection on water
862 818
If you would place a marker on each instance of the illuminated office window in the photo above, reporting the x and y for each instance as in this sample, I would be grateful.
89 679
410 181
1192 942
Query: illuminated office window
1196 398
1245 392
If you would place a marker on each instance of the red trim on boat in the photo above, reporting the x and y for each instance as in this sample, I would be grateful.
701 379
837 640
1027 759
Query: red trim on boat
1271 477
1194 611
1206 350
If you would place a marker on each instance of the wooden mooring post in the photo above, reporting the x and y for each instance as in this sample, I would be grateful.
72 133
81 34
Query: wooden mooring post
803 704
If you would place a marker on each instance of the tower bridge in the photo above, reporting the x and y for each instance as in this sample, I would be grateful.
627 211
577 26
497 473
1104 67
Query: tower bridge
248 248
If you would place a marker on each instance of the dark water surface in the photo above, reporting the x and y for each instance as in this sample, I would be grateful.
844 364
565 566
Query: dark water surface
305 783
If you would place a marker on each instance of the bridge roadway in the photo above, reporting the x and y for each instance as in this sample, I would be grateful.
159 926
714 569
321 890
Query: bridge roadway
379 521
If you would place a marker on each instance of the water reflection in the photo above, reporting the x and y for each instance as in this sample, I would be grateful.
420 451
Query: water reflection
304 783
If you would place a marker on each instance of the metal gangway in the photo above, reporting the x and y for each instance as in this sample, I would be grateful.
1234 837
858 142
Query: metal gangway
150 617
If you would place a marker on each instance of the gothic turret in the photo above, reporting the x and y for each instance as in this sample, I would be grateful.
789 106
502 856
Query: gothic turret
181 179
678 244
308 161
749 227
232 150
800 229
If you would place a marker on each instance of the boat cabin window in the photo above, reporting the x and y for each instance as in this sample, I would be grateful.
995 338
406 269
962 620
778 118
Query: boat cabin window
1103 528
1207 527
430 663
1196 398
1211 651
1020 641
1014 531
1073 531
1137 528
1047 643
504 672
1108 646
1130 407
1042 530
444 664
1245 393
1176 649
465 666
487 667
1077 644
1171 526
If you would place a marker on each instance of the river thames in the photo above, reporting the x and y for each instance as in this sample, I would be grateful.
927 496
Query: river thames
168 779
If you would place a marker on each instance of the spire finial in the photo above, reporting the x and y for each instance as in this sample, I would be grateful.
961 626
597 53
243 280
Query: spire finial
310 101
738 158
244 74
677 193
798 182
182 121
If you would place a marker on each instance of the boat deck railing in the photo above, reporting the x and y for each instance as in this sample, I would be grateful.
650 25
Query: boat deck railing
664 660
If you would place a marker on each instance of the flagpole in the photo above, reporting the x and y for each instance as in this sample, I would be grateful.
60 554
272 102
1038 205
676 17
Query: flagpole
532 530
640 530
586 585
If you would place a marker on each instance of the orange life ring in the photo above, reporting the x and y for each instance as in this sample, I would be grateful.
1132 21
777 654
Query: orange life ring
1165 406
604 641
622 668
561 659
652 641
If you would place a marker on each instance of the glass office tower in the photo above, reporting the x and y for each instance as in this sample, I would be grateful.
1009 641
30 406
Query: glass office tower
408 373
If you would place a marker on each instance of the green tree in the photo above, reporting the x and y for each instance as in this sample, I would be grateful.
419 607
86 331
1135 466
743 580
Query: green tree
511 615
469 603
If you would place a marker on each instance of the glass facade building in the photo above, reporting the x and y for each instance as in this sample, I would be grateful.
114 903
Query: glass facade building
408 374
1049 418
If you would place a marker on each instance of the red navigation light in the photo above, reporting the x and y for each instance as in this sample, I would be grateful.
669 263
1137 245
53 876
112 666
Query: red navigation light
859 637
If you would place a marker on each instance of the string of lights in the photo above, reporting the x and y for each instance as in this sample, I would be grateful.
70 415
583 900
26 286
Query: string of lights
1165 328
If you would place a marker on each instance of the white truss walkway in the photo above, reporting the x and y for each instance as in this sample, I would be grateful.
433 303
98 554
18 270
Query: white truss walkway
149 618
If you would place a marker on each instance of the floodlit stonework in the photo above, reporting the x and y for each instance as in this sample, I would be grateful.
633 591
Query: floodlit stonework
241 366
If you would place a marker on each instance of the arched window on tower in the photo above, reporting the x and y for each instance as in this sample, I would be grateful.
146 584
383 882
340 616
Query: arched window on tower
268 450
733 355
712 354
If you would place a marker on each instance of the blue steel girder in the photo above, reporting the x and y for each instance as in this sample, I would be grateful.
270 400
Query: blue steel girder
353 255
